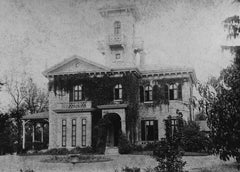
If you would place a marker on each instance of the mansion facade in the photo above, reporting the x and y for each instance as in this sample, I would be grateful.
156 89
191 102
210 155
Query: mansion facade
136 98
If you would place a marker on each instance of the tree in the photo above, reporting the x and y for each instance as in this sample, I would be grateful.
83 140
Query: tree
15 89
224 115
7 130
222 106
35 99
221 100
26 98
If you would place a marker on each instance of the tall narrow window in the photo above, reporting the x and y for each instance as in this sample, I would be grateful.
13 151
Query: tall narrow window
175 91
166 92
148 93
149 130
78 95
117 27
64 132
73 132
84 132
141 91
118 92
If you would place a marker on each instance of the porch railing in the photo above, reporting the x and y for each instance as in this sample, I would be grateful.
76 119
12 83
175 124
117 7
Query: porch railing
74 105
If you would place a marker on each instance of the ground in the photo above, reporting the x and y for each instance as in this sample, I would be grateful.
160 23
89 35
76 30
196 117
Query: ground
14 163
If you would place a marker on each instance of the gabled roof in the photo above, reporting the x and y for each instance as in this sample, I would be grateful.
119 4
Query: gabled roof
53 70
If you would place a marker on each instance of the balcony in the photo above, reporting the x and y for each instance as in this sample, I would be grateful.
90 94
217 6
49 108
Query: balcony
73 106
116 40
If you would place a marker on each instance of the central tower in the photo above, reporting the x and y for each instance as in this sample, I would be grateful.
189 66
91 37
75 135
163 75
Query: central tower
120 45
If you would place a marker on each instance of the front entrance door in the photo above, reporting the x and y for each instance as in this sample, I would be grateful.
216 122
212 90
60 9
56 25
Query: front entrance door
114 129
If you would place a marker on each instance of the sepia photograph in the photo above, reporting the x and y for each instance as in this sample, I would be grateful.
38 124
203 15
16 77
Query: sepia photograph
120 86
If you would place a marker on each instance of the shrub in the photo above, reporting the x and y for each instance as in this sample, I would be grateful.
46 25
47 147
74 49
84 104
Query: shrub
125 146
151 146
137 148
194 140
100 135
129 169
168 153
78 150
59 151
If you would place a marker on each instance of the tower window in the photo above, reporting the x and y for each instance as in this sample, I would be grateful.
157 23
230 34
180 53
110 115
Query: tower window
118 56
118 92
117 27
148 93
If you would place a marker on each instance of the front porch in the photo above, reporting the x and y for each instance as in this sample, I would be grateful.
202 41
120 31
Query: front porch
37 127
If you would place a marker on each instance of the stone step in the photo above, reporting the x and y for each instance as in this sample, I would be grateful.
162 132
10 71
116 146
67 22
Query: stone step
111 151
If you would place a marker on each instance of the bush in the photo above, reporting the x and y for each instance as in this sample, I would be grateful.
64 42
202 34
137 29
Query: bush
125 146
100 135
59 151
194 140
151 146
133 169
78 150
168 152
137 148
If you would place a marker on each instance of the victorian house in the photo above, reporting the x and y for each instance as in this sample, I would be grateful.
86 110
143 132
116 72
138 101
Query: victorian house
136 98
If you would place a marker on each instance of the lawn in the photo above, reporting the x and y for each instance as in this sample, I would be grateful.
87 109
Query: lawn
194 164
209 164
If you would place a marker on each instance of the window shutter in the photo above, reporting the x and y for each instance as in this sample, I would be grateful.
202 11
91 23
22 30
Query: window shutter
71 94
156 93
141 94
155 129
179 92
166 96
143 130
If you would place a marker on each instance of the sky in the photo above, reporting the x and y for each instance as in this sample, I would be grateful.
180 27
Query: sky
36 35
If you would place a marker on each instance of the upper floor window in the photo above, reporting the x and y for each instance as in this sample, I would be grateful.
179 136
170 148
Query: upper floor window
117 27
175 91
148 93
77 93
118 92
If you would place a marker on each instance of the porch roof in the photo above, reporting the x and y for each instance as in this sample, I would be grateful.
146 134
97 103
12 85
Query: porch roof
41 115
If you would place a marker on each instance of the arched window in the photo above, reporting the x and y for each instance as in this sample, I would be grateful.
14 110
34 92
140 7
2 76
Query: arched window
77 93
175 91
117 27
148 93
118 92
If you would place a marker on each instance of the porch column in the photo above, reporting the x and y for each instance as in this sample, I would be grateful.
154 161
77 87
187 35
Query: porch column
123 126
24 134
33 135
42 126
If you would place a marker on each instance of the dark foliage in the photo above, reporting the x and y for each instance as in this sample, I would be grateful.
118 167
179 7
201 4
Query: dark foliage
125 146
7 137
79 150
59 151
129 169
194 140
168 152
100 135
224 113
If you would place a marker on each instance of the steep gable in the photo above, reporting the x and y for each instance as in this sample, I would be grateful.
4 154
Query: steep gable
75 64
